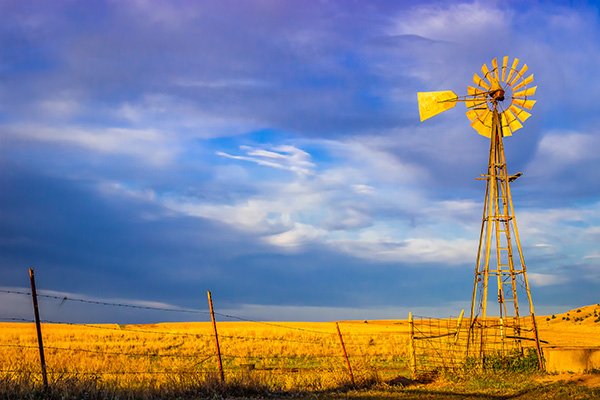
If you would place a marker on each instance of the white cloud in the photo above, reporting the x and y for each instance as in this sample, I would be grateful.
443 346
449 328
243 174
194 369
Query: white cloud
109 188
593 255
454 22
545 279
339 207
281 157
222 83
363 189
296 237
559 149
149 145
182 116
61 105
413 250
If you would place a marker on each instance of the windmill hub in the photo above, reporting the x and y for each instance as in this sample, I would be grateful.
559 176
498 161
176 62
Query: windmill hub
497 95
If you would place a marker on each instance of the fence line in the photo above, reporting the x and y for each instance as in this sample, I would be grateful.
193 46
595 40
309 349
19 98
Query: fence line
106 303
319 352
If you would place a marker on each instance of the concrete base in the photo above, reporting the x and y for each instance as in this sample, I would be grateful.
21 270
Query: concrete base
571 359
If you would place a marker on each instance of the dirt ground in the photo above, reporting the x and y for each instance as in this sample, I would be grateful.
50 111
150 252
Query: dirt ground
589 380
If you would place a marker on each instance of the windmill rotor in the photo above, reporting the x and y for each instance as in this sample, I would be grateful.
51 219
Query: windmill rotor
503 89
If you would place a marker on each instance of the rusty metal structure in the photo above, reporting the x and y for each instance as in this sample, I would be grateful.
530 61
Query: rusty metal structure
496 107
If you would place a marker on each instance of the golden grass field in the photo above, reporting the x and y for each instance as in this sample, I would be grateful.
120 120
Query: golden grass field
286 355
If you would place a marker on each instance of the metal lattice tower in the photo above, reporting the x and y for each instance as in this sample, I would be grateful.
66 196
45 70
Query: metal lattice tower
495 108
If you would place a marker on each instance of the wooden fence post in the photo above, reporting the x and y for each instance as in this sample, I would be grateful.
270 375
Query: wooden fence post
345 354
212 316
38 327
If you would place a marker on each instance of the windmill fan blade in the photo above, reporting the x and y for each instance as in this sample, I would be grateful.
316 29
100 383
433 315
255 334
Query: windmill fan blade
524 103
525 93
473 114
495 71
511 120
434 103
525 82
475 102
512 69
519 74
491 77
480 82
476 92
495 65
520 113
505 118
483 123
504 62
485 71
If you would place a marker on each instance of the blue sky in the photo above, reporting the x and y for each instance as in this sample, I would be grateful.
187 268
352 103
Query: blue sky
271 152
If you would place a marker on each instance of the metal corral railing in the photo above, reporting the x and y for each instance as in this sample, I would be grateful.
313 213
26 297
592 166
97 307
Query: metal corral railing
457 343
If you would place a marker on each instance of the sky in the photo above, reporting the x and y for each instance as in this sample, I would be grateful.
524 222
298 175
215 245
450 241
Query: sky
271 152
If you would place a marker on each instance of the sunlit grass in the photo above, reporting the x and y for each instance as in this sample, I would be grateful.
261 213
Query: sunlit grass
283 355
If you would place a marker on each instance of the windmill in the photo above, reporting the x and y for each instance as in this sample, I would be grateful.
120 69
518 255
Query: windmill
496 108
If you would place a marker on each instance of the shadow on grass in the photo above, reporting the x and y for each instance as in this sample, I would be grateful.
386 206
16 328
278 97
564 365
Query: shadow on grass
91 388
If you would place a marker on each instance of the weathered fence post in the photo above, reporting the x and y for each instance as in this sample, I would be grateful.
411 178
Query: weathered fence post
38 327
537 342
212 316
345 354
413 358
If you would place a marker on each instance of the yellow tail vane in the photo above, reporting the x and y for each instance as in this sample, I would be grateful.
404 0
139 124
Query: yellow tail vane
434 103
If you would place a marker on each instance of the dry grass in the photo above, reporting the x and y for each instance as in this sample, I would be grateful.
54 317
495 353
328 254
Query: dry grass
284 355
177 360
579 327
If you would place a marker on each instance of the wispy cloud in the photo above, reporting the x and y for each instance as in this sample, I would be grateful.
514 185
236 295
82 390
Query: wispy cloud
281 157
147 145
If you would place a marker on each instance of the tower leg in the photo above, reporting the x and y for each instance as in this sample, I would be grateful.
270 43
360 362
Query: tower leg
495 256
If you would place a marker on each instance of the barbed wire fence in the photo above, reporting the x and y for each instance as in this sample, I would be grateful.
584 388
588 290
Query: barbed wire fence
283 354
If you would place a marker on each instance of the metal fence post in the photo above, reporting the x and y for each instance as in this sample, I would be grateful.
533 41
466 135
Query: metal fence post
38 327
345 354
212 316
413 358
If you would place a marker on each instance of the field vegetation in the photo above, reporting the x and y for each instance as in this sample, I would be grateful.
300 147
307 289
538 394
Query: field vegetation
262 359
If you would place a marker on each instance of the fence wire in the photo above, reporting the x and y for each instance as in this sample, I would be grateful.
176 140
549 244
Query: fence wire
457 344
282 353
